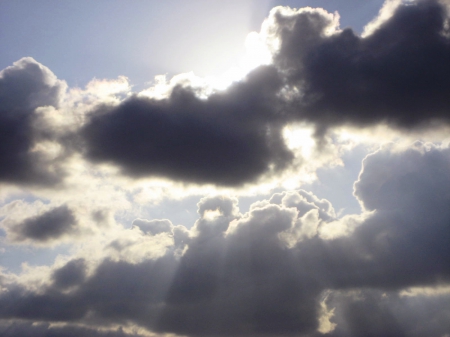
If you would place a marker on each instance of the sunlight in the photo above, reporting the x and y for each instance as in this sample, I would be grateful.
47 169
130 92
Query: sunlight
256 54
211 215
299 138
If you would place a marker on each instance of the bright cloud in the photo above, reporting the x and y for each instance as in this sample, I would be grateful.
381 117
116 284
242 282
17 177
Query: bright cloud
225 205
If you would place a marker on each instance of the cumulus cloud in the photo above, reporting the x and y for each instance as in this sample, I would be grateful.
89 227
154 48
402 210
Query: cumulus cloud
397 75
24 87
28 85
402 241
290 266
228 139
266 271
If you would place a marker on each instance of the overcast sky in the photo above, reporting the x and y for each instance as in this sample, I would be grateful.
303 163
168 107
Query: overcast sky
225 168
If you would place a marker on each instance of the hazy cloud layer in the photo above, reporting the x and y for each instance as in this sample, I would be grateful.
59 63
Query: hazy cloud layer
271 271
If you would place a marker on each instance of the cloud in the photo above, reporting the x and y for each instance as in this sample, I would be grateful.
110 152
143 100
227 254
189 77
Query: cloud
28 85
320 74
402 241
397 75
290 265
46 227
239 274
25 87
71 274
153 227
379 313
228 138
271 270
47 330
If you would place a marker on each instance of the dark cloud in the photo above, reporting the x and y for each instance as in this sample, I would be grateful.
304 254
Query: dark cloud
264 272
118 292
239 275
24 87
46 330
227 139
20 303
28 85
224 284
377 313
46 227
399 74
403 242
365 313
71 274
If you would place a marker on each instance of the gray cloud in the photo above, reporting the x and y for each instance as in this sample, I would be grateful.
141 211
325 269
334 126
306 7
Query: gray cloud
378 313
235 274
305 201
403 242
153 227
399 74
24 87
238 275
46 227
46 330
227 139
71 274
28 85
224 284
243 282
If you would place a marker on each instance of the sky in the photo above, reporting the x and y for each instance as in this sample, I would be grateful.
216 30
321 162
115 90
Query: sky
225 168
